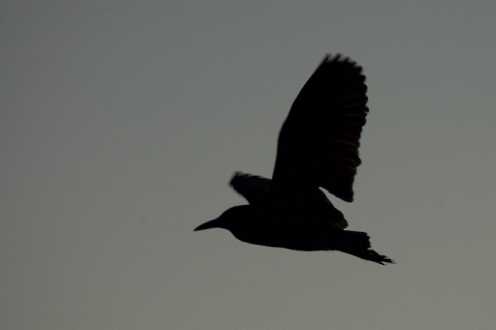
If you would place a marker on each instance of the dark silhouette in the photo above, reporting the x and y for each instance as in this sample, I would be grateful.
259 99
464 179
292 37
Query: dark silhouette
317 147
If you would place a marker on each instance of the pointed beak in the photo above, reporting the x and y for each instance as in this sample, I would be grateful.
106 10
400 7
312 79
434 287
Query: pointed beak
208 225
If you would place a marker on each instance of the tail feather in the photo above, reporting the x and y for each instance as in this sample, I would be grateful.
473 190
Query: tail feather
358 244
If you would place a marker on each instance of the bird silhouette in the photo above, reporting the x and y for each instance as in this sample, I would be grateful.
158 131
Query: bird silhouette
317 148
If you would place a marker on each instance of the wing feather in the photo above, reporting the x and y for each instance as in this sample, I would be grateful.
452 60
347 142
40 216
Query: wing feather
319 140
253 188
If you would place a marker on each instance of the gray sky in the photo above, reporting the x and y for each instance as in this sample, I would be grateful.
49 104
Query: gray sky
123 121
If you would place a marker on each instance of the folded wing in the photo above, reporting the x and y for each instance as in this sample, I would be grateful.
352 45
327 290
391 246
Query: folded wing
319 140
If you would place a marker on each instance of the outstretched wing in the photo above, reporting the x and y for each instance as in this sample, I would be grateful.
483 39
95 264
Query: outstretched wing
252 187
319 140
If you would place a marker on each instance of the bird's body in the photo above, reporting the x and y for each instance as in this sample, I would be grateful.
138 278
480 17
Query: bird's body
290 227
317 147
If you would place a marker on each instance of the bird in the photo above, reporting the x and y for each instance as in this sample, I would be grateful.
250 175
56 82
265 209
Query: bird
317 150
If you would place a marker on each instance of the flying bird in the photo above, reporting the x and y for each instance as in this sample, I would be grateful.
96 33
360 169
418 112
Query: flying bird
317 149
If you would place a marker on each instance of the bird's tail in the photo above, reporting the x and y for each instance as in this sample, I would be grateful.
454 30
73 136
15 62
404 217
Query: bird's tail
357 243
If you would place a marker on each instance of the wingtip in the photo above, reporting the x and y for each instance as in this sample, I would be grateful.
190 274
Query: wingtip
236 175
340 58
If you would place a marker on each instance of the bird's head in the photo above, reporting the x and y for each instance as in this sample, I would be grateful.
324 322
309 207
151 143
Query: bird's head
228 219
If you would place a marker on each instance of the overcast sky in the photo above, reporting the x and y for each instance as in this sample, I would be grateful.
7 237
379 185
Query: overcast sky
122 122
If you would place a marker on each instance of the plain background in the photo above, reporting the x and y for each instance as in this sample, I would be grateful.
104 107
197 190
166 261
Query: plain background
122 122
